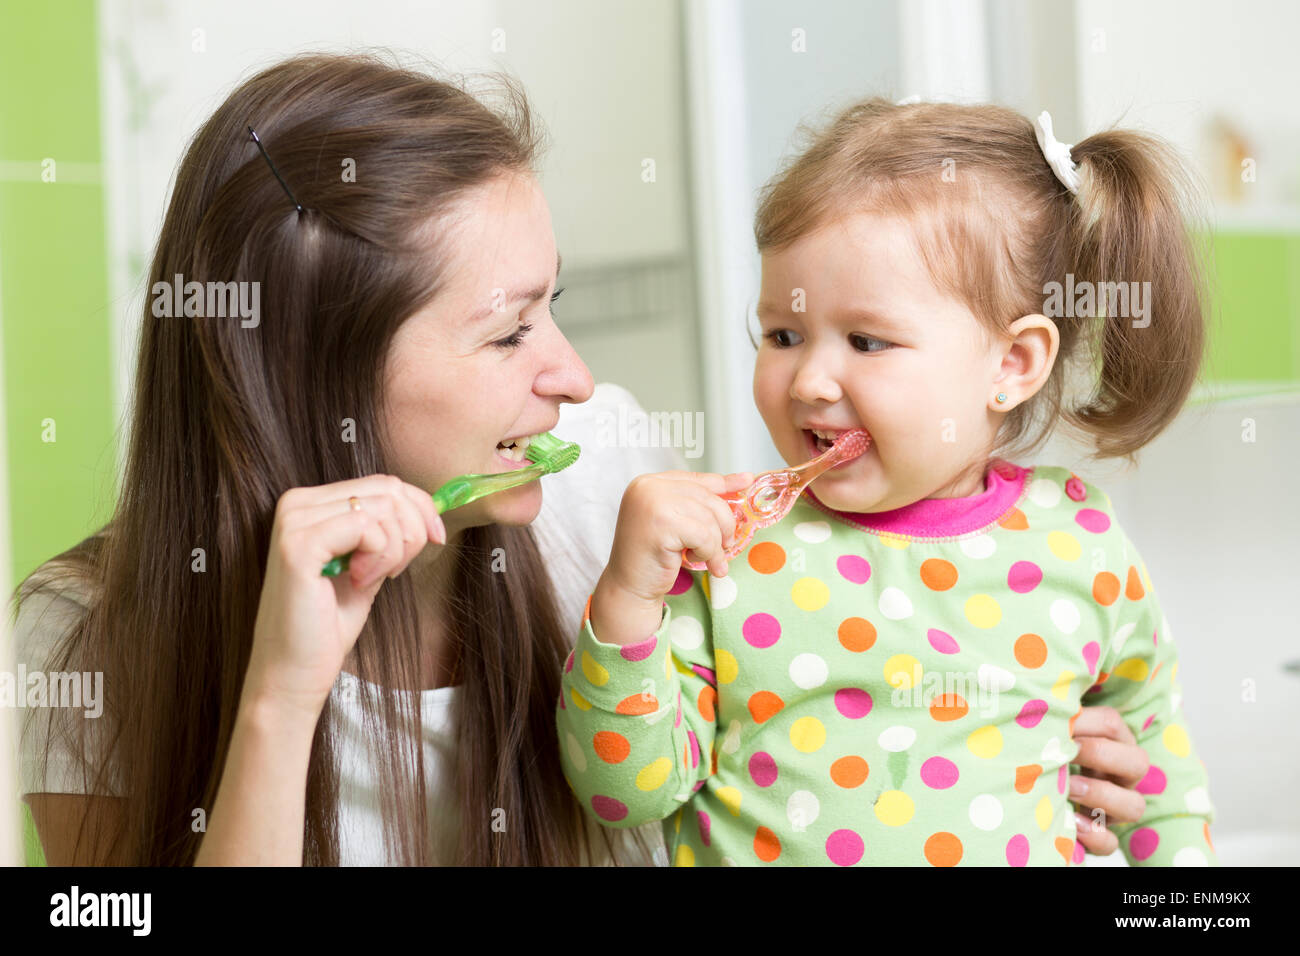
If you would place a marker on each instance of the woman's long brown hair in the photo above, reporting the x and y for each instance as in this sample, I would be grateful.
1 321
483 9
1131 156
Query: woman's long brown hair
226 418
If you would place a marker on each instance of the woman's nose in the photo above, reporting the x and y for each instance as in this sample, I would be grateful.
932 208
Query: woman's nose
563 373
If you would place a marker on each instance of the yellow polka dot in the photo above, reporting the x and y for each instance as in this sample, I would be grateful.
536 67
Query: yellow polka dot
983 611
807 734
1043 813
653 775
682 667
903 670
810 594
579 701
593 671
728 666
891 540
730 798
668 665
1061 689
1173 673
985 742
1064 545
1135 668
1146 579
894 808
1175 740
677 821
685 856
704 586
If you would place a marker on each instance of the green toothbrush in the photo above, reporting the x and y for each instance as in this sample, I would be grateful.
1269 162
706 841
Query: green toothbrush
548 455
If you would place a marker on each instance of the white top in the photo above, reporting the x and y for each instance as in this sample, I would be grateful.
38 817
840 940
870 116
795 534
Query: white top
574 532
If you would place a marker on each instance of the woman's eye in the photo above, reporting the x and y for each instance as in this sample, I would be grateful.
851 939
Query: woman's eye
860 337
774 335
512 341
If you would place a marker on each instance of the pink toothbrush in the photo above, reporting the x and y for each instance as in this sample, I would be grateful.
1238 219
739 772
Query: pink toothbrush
773 493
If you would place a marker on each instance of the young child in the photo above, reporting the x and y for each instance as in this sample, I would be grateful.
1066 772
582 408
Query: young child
889 675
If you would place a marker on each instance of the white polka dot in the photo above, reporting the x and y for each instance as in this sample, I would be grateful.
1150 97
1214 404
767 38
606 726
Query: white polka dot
995 680
1052 755
986 812
979 546
1065 615
1044 492
894 604
728 861
1175 701
686 633
814 532
731 742
661 856
576 756
1120 636
722 592
1197 800
808 671
1190 856
802 809
1165 633
896 739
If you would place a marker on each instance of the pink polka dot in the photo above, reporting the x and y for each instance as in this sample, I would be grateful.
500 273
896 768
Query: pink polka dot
697 785
695 749
1077 855
762 767
942 641
607 808
683 582
709 677
1091 651
853 568
677 718
568 664
1143 843
1031 713
1024 576
640 650
1147 723
1018 850
761 630
1062 777
1074 488
853 702
939 773
1090 519
844 847
1153 782
703 819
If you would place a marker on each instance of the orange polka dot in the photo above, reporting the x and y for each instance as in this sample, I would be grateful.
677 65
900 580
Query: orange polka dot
938 574
1014 520
943 849
714 769
766 846
1206 828
850 772
1155 672
767 557
1065 847
763 705
948 707
704 703
857 634
1133 589
1105 588
637 705
1069 727
611 747
1026 776
586 611
1030 650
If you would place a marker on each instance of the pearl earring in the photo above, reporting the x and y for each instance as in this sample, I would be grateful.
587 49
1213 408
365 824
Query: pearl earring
1002 397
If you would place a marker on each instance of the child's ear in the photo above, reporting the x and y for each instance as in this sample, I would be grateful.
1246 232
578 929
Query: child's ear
1030 350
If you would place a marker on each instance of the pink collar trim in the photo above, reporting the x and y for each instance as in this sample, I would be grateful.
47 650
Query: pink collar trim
1004 483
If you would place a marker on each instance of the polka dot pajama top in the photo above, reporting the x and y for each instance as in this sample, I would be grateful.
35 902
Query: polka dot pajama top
892 689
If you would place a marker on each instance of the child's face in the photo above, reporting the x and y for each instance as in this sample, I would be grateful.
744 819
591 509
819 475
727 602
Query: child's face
873 344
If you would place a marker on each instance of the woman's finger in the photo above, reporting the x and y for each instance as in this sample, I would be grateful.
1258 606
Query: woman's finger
341 533
1097 721
367 567
1120 804
1124 763
1096 839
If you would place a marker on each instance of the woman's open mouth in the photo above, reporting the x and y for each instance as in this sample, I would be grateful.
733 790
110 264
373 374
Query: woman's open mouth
513 452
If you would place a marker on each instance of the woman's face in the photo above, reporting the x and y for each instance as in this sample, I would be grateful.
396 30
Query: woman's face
484 361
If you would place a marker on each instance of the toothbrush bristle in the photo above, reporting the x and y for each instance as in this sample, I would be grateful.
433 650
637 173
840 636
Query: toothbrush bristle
853 442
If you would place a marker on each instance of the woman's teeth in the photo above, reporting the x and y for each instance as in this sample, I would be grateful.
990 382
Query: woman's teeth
514 449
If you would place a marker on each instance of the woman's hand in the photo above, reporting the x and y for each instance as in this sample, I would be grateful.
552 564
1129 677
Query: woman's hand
660 517
1112 764
306 623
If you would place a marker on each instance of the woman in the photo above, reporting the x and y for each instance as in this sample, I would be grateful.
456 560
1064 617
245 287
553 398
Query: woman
405 263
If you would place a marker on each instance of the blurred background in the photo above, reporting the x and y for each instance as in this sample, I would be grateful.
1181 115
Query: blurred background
100 98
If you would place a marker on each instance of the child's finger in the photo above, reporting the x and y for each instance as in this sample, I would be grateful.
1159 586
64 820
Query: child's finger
738 481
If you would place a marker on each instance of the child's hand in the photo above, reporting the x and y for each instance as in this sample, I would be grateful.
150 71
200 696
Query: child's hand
661 515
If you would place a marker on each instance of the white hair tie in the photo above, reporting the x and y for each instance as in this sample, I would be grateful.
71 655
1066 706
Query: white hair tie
1056 153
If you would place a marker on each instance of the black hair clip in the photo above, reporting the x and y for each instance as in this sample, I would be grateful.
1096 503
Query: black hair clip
258 141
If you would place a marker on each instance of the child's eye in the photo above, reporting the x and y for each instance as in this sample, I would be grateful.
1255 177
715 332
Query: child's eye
884 345
774 336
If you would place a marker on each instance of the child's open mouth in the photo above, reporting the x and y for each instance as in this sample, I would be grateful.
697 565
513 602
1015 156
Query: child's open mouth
819 441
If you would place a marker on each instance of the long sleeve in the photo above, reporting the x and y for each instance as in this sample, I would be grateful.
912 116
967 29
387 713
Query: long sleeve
637 723
1138 677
